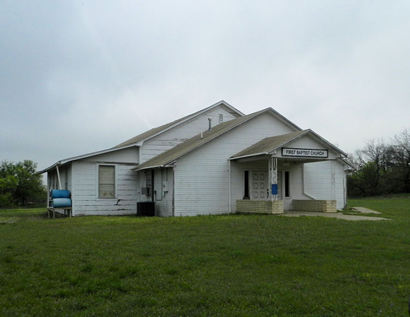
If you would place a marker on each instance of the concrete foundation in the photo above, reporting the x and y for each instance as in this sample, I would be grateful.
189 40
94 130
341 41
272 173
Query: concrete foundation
314 205
259 206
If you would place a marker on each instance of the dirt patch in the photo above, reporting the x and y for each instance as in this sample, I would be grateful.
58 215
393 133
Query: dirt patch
336 215
364 210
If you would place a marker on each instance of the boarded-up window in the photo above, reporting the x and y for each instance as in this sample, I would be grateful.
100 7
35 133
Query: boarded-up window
106 181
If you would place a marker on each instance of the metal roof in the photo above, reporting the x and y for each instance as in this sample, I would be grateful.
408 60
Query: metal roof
269 144
143 136
152 132
168 157
184 147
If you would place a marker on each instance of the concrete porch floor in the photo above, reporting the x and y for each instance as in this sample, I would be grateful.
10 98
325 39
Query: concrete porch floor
337 215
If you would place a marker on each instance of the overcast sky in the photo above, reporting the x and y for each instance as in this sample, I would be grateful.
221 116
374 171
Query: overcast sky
81 76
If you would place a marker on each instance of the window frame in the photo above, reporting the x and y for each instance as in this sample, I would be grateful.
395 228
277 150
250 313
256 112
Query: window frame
98 181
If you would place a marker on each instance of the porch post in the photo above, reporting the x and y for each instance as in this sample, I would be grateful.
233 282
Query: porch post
273 173
230 188
58 176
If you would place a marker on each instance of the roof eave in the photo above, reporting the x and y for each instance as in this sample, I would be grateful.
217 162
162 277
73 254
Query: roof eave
299 135
230 107
285 120
247 156
307 131
80 157
335 148
136 169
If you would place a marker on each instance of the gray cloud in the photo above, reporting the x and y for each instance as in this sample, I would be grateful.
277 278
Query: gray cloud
85 75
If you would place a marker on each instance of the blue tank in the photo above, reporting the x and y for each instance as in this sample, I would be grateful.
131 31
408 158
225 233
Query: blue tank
60 193
61 202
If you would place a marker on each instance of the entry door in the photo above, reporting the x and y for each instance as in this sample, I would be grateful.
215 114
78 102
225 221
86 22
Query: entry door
280 194
284 192
259 185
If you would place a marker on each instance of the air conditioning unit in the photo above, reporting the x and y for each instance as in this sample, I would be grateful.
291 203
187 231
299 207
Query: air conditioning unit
146 208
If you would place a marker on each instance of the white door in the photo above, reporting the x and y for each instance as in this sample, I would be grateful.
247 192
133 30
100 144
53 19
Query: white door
259 185
286 192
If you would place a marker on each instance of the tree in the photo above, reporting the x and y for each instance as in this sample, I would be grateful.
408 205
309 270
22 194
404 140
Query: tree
8 185
381 168
19 184
375 152
400 157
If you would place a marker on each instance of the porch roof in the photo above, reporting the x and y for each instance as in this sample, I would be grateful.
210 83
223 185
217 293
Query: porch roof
268 145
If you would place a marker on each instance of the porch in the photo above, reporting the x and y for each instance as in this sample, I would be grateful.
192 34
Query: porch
269 176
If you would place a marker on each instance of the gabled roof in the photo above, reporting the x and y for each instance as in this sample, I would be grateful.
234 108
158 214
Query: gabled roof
83 156
267 145
146 135
197 141
155 131
270 144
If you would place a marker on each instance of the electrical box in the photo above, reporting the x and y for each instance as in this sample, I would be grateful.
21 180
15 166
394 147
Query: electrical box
146 191
274 189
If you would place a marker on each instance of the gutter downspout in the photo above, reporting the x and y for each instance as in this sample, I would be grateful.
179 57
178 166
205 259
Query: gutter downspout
303 184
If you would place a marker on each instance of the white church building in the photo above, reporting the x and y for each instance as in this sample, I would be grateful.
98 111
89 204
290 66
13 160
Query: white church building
214 161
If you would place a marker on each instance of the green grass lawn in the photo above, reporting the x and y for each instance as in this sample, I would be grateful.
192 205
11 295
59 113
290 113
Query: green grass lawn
241 265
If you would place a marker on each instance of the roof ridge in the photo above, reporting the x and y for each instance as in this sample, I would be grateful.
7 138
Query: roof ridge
156 130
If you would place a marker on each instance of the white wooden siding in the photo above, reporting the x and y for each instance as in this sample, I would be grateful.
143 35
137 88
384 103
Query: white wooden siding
179 134
128 155
65 178
326 180
340 184
51 180
85 184
163 191
163 187
201 177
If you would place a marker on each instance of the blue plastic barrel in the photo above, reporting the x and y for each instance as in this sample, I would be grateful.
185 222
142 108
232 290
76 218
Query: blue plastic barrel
60 193
61 202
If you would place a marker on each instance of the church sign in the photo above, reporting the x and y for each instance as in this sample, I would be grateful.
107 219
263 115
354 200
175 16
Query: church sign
298 152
